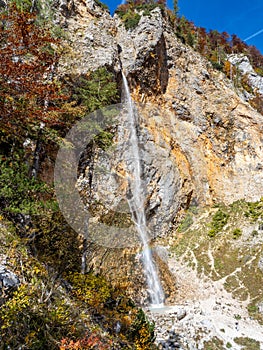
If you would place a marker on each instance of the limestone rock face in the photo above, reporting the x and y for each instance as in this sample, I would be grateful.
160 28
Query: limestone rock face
214 135
143 53
91 35
241 61
200 142
211 137
218 134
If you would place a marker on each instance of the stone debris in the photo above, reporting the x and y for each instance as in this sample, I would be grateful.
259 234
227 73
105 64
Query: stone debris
172 341
181 313
7 278
206 311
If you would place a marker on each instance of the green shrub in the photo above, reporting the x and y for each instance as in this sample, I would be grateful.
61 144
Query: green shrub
255 210
55 242
91 93
131 13
252 308
96 90
259 71
36 316
219 220
142 332
237 233
91 289
48 234
94 291
42 313
218 66
131 20
18 192
246 84
186 223
23 5
247 343
212 232
148 7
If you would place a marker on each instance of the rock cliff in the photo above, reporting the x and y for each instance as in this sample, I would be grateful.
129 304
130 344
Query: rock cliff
214 136
246 69
202 143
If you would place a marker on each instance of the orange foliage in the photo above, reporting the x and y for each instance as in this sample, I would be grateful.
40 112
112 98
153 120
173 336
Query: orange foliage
92 341
27 61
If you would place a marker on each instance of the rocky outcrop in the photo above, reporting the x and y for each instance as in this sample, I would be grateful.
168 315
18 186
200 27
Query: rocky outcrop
143 53
218 134
7 278
241 62
90 36
8 282
124 269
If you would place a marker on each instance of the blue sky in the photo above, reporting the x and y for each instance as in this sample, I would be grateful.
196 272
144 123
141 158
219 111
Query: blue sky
241 17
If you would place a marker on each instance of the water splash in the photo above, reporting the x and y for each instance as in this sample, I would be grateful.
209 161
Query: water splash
136 200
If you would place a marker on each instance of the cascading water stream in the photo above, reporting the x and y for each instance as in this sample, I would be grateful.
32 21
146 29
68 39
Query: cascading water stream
137 199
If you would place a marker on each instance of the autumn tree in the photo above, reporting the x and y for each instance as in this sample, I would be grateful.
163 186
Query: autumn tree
202 44
28 58
237 45
256 59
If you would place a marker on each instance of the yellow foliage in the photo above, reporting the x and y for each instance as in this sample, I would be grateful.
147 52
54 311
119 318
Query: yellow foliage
93 290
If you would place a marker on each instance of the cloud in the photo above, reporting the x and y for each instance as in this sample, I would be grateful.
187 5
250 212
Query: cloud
253 35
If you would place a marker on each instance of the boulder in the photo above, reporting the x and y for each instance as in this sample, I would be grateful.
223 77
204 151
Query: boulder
8 279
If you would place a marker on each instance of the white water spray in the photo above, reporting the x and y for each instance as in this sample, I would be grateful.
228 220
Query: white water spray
136 202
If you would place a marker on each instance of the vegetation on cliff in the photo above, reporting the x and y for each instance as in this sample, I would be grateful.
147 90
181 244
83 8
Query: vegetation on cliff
131 12
54 305
55 309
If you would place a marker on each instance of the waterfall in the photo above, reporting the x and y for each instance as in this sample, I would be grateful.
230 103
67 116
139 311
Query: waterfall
136 199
